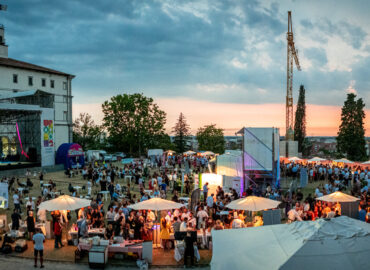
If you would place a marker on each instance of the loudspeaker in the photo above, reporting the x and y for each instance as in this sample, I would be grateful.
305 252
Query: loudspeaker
32 153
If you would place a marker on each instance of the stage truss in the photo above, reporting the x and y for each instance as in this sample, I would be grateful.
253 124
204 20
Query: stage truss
26 138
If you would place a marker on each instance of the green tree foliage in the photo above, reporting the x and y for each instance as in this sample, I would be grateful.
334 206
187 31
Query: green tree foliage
211 138
134 123
182 133
300 120
351 135
86 133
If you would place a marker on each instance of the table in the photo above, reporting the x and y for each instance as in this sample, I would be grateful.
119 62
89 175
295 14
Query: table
117 248
105 194
91 232
77 188
46 185
27 198
200 237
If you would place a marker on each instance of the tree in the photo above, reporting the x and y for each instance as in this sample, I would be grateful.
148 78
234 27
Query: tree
300 120
351 135
133 122
211 138
182 133
85 132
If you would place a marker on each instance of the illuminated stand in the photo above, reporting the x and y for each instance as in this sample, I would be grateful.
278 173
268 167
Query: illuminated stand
260 157
26 130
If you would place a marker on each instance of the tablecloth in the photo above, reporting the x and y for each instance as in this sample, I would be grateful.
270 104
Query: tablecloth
117 248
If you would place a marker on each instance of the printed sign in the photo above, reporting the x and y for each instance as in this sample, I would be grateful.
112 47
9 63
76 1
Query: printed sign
75 150
48 131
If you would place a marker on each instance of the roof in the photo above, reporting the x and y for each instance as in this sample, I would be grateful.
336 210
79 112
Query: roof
9 62
22 94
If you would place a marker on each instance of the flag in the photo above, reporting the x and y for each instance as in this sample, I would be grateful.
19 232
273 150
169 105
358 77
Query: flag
3 7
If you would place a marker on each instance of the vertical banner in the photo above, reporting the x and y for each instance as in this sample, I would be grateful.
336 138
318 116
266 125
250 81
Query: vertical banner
196 181
47 137
4 193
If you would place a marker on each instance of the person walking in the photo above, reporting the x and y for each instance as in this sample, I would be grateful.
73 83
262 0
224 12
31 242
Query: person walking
16 201
38 245
58 234
16 217
205 192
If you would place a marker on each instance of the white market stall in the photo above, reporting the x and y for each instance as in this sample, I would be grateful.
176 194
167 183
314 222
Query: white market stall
338 243
230 166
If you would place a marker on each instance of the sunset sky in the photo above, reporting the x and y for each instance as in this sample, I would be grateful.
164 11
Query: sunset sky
217 61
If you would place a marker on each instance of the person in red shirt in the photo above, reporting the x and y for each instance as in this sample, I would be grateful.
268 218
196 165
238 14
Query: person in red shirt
58 234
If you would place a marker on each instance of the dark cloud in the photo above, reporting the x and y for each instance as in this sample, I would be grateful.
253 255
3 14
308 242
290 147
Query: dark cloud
175 48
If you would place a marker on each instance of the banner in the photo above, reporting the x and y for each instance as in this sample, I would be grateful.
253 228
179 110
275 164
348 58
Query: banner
47 138
4 193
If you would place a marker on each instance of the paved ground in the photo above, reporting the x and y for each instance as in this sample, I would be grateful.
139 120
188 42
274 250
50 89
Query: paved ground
27 264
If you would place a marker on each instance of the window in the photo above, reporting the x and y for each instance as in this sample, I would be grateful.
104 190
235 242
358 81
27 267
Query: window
64 85
65 116
52 83
43 82
65 99
15 78
30 80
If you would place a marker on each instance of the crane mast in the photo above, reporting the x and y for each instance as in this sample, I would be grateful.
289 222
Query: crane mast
292 53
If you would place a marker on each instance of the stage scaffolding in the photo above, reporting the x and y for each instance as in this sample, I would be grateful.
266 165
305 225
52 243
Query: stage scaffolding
29 135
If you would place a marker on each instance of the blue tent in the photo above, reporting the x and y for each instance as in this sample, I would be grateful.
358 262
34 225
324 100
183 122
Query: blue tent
71 155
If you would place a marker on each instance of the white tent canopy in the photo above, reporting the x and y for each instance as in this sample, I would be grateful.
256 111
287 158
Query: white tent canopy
366 162
64 202
338 243
294 159
343 160
316 159
156 204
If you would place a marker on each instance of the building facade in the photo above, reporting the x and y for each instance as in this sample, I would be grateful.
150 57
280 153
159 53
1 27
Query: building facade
18 76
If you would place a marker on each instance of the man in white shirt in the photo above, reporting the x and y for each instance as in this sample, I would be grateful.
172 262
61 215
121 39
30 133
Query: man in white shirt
185 214
30 204
293 215
238 222
201 215
16 202
183 226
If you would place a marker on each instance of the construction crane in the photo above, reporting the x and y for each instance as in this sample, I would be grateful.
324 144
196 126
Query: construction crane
292 53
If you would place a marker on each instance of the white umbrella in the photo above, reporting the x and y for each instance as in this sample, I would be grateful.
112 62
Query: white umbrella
207 153
2 199
316 159
294 159
156 204
189 152
253 203
338 197
64 202
342 160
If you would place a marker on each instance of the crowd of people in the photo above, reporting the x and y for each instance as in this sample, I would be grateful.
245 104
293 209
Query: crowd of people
141 180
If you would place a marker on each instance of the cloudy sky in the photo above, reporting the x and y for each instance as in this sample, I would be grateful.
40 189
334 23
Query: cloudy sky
221 62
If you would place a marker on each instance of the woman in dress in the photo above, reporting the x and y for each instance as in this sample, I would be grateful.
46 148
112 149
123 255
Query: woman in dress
30 224
165 232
